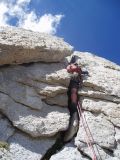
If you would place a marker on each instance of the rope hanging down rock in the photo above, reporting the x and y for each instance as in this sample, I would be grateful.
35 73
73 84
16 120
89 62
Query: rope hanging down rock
77 81
89 136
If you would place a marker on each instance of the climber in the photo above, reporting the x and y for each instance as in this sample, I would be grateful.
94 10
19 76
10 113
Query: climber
75 107
74 85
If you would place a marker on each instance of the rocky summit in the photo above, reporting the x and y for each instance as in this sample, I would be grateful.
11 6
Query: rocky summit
33 100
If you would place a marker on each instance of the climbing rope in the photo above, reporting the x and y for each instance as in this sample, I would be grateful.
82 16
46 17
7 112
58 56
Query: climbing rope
89 137
71 68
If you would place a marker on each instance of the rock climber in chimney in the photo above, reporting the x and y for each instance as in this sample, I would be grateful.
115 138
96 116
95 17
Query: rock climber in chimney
75 83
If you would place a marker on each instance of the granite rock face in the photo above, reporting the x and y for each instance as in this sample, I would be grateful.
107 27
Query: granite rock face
23 46
68 152
33 99
22 146
6 129
99 127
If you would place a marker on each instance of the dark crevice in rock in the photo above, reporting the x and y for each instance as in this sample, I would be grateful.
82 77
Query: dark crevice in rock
44 100
59 144
110 67
84 154
103 99
27 64
116 127
96 114
93 87
108 151
4 66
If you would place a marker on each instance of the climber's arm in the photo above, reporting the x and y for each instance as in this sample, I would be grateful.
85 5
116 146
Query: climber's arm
85 72
71 68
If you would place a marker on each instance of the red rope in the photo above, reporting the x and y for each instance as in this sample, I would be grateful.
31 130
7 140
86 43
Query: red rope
88 133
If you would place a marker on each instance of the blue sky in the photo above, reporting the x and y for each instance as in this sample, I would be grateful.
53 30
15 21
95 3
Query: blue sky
88 25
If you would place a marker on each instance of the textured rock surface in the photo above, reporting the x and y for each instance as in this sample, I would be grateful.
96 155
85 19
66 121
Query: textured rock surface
110 109
100 152
35 123
61 100
68 152
100 127
24 147
6 129
26 89
33 99
104 75
117 149
22 46
100 96
21 99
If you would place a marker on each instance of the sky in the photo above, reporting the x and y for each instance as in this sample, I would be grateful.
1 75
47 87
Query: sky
88 25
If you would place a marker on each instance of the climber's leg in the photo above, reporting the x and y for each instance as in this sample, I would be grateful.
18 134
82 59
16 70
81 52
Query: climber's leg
72 105
73 101
73 96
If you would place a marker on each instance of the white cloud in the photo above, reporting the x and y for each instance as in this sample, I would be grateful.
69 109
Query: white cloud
3 11
19 8
47 23
22 2
11 9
